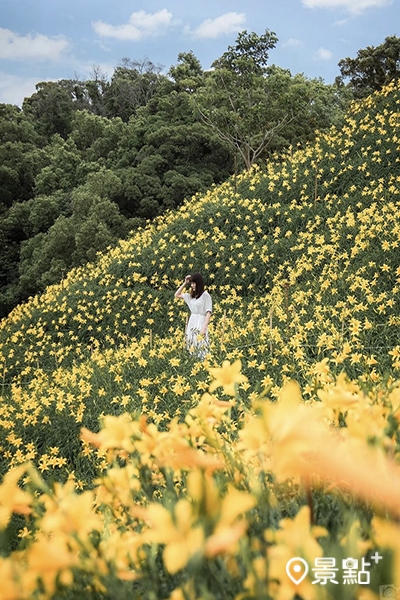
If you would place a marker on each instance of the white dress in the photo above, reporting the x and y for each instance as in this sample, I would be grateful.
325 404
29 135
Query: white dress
199 307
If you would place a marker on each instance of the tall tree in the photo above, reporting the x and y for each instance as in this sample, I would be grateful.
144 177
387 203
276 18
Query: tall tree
61 167
96 88
188 73
51 107
166 154
373 67
254 108
132 85
249 55
19 156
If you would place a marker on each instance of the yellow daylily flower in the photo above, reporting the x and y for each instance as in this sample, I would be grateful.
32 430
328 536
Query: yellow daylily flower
226 376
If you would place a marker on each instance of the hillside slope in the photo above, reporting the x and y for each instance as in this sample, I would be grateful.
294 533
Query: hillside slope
301 260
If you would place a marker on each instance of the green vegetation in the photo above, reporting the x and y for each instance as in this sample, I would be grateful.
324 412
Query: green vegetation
299 259
373 68
85 162
129 469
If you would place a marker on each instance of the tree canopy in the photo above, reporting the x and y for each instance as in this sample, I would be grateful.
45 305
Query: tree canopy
372 68
257 109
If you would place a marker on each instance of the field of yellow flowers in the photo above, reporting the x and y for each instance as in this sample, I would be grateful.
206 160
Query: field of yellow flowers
268 471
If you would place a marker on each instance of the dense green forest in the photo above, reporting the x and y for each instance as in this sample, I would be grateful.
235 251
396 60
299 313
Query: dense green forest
83 163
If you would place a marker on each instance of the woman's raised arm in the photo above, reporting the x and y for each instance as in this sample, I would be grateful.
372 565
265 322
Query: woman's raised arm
178 293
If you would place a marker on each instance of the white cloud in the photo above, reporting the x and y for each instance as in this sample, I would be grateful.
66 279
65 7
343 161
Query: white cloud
14 89
324 54
32 46
352 6
140 25
294 43
231 22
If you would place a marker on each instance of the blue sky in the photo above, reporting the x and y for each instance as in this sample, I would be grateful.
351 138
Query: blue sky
43 40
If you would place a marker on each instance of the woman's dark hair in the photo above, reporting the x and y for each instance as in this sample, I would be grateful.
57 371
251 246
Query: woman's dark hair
199 281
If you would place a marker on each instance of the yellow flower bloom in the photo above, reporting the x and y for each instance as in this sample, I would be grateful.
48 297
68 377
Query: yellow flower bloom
13 585
50 559
181 538
12 498
226 376
116 433
69 512
225 539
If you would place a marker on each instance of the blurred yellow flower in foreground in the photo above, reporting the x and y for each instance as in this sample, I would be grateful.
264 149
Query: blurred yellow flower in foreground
231 526
52 559
69 512
226 376
117 432
386 534
12 498
13 585
182 538
303 444
294 538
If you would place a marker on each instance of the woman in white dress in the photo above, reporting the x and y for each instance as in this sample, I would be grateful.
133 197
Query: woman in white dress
200 305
